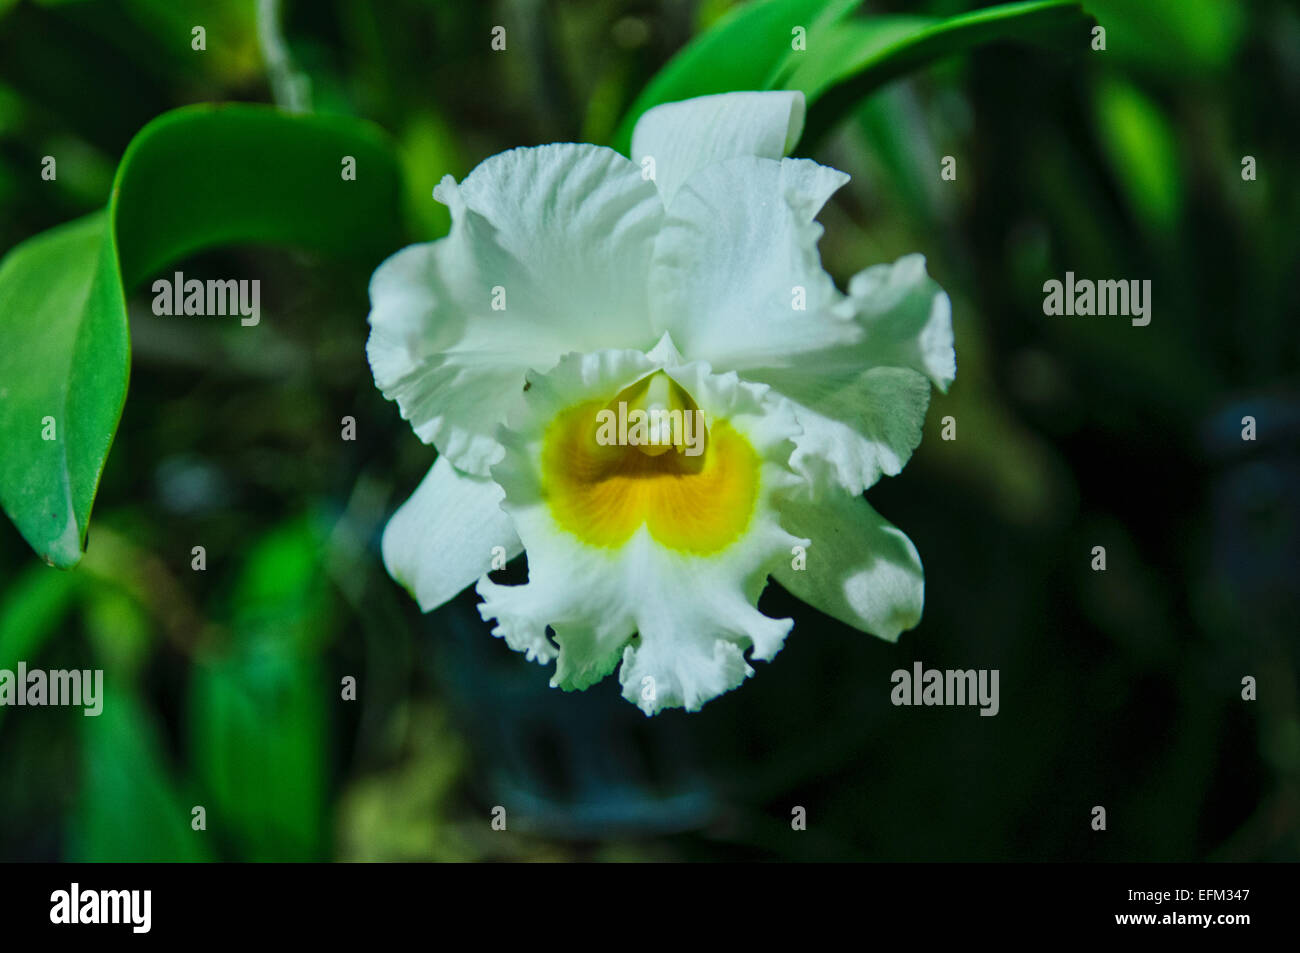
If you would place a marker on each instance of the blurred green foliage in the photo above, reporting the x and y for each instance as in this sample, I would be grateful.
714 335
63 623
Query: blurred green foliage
1119 688
192 179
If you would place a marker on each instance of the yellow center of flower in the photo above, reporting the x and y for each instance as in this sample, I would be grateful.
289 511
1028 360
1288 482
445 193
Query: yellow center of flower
607 471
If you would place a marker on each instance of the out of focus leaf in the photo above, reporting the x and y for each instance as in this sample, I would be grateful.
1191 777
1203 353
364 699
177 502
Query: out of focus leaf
117 626
33 606
848 59
844 58
1178 37
1143 151
230 34
30 612
281 593
192 179
258 734
129 808
258 712
893 132
428 152
741 51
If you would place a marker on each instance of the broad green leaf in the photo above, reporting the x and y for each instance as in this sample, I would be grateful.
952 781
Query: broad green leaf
63 374
192 179
845 57
844 50
214 175
129 808
740 51
856 56
1173 38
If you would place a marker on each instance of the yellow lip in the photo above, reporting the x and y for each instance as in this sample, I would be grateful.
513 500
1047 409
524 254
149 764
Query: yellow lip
604 493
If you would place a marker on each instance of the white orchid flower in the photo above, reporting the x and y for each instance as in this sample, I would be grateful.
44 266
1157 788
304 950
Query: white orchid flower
575 281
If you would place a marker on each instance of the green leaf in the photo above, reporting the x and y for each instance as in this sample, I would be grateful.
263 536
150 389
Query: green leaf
192 179
740 51
34 605
854 57
845 50
63 374
258 711
30 612
845 58
1143 150
1173 39
281 595
259 735
129 808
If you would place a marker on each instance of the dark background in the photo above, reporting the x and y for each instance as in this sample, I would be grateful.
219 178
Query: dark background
1119 688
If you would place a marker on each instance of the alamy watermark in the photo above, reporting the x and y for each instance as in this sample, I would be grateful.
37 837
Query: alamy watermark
60 687
932 686
654 430
1083 296
176 295
133 908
